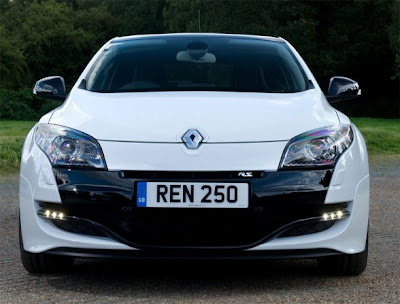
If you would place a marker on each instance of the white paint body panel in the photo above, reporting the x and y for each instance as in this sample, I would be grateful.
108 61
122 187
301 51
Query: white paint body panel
37 172
164 117
351 168
208 157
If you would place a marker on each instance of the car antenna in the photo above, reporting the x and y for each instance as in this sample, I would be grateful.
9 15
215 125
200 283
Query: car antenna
199 13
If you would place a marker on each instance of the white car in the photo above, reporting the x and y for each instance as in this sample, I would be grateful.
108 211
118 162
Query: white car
185 146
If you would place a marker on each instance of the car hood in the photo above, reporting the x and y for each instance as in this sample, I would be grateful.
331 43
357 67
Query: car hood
219 116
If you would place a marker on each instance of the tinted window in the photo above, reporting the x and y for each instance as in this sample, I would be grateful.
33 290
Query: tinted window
197 63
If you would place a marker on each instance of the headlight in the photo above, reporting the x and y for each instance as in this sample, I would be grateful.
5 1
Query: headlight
68 147
319 147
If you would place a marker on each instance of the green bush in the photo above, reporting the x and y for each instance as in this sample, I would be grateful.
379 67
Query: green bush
23 105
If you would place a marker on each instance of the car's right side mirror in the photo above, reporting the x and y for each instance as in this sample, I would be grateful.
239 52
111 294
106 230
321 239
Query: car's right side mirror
52 87
342 88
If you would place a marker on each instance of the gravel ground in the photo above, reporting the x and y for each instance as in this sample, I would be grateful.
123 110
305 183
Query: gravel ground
104 281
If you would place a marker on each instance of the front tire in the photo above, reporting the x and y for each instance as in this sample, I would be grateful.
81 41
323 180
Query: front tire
42 262
345 264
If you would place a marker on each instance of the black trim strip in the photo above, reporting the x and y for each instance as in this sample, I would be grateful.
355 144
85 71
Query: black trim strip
204 175
194 255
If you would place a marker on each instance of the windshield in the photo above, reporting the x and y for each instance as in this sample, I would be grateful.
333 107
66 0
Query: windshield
196 63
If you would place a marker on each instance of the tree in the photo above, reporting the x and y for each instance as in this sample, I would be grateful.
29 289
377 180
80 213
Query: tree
394 36
137 17
359 39
12 61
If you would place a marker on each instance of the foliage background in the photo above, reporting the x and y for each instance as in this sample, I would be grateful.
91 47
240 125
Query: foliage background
357 39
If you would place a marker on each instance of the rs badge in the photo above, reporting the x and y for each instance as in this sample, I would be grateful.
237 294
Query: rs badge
245 174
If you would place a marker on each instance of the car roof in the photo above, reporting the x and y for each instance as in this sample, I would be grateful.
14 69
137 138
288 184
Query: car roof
197 35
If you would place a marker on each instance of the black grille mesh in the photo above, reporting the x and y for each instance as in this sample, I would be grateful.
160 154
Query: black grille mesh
76 226
308 228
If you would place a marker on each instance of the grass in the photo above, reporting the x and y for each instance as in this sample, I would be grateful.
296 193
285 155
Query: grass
12 135
382 137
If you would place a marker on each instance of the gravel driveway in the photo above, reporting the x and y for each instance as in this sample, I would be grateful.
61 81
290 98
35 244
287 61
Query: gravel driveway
104 281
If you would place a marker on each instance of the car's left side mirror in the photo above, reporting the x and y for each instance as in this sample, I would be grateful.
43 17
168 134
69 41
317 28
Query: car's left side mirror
52 87
342 88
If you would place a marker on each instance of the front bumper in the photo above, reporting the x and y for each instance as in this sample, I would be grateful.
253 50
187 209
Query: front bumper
345 236
102 203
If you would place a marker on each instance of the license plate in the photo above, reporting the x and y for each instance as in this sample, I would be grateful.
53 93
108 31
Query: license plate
192 195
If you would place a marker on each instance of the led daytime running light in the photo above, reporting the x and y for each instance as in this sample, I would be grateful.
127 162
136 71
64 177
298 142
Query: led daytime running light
51 214
335 215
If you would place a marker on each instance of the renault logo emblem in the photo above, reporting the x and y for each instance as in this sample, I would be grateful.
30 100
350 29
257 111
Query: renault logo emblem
192 139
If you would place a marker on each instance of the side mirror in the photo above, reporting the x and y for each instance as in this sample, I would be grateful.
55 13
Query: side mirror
52 87
342 88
